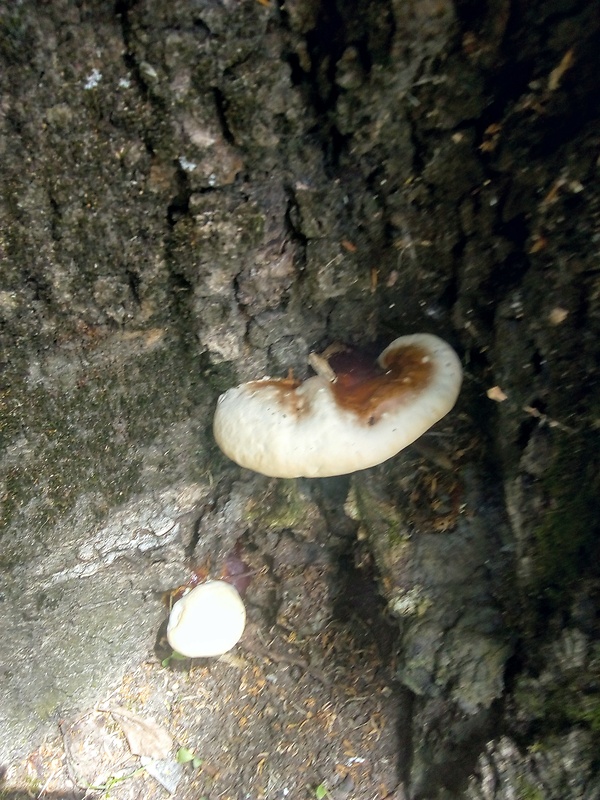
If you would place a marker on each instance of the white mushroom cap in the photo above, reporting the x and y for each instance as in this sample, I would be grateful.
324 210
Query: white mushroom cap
208 621
318 428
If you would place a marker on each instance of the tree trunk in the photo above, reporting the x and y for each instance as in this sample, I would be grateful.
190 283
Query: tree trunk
194 194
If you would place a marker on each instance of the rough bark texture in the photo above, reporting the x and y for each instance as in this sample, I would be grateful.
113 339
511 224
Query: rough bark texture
197 193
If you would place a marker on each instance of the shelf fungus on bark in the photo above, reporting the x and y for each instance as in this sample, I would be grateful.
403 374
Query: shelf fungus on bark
350 416
207 621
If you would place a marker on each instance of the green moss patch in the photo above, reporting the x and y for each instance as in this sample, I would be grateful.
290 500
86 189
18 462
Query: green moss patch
90 433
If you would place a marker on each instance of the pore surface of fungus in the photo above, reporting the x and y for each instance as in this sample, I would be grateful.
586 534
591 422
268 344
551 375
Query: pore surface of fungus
321 427
207 621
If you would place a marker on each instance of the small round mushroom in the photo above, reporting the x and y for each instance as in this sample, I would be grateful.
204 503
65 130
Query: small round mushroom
207 621
341 420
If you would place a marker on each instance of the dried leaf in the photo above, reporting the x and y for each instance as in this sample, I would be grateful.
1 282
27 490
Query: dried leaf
558 315
539 243
557 73
144 736
496 393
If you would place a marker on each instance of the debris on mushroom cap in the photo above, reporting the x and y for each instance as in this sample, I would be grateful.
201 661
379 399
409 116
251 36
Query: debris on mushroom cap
208 621
285 428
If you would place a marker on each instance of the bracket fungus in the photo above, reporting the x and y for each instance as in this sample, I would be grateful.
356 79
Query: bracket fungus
207 621
343 419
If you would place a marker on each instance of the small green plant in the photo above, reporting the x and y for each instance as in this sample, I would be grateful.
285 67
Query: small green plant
186 756
113 780
175 656
321 791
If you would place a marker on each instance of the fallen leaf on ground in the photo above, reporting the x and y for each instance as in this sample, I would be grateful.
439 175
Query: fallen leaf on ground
144 736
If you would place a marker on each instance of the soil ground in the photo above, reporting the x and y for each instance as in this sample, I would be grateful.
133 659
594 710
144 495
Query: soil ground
304 707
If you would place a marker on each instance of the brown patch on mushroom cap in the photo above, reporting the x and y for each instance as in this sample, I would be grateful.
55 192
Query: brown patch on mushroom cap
285 392
362 387
406 372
